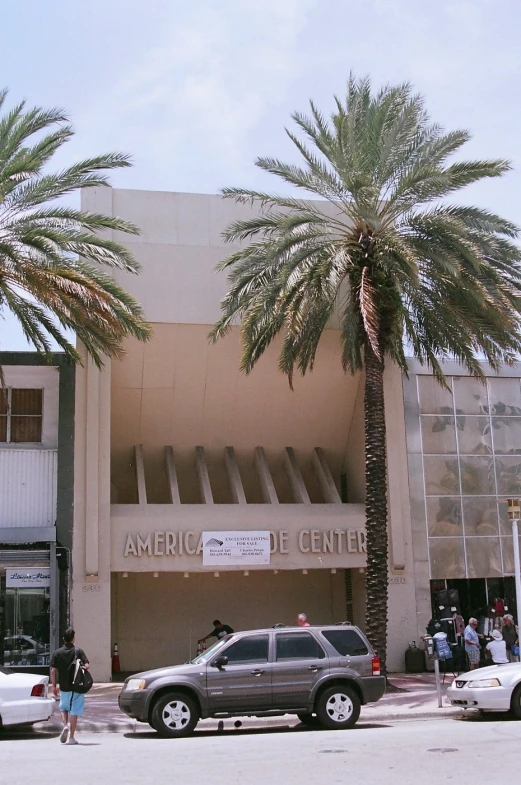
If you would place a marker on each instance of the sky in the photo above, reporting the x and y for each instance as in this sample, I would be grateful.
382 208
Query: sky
195 91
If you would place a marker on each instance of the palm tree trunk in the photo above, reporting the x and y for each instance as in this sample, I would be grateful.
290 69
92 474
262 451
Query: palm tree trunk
376 505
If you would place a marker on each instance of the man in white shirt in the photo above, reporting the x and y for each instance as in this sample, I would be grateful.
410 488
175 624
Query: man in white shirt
497 648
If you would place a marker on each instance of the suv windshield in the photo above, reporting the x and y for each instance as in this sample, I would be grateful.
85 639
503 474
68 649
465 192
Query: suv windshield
202 658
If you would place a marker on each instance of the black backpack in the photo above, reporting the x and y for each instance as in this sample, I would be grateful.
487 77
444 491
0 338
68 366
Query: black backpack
81 680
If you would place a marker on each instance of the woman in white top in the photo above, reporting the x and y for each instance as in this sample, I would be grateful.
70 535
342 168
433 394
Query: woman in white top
497 648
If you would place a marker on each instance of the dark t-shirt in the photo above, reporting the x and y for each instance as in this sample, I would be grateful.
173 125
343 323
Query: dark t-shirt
62 659
221 632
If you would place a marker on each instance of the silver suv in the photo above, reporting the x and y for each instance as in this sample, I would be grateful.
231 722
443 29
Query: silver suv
321 674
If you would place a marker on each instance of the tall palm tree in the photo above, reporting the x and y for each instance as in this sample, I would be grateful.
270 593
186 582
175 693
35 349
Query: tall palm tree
383 249
51 255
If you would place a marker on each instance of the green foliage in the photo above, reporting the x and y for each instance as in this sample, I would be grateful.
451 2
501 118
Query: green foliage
383 249
50 254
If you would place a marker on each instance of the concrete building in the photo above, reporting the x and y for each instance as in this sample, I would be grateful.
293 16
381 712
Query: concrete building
36 499
174 441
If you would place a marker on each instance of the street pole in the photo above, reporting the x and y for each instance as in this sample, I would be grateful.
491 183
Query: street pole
514 512
438 680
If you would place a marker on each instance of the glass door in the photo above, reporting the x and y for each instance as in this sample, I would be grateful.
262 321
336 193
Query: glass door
26 626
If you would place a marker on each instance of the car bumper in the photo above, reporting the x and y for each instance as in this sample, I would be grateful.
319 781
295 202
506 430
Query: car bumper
487 698
134 704
27 711
374 688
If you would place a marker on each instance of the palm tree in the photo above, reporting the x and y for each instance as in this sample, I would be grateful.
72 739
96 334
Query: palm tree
383 249
51 255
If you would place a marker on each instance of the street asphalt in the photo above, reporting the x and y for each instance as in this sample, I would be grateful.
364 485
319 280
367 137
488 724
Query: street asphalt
398 753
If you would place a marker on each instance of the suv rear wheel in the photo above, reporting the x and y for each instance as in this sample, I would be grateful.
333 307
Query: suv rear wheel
174 714
338 707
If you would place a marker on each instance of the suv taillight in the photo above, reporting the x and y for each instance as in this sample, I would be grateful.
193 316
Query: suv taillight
38 691
376 666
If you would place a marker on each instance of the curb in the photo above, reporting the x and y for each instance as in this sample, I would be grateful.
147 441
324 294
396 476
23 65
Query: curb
248 723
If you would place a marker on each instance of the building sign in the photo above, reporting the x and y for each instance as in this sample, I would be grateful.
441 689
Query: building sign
28 577
239 548
283 542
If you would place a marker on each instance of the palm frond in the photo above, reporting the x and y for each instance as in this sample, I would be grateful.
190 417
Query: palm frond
42 280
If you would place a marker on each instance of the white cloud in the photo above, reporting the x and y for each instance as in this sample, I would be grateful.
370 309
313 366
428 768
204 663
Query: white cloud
207 82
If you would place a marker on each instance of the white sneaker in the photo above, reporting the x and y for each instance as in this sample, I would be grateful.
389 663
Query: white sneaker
72 741
64 735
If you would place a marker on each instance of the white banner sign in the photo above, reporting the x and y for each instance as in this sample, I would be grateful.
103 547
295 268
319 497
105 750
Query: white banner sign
235 548
33 577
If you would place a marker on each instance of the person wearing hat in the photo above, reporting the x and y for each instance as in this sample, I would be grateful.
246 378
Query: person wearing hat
497 648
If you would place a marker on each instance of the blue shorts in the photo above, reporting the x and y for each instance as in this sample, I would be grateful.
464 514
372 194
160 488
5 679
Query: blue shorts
78 703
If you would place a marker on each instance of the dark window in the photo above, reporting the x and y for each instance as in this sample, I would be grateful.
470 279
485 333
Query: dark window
347 642
254 650
21 412
298 646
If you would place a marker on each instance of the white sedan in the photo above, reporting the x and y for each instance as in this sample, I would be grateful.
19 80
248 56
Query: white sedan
494 688
24 698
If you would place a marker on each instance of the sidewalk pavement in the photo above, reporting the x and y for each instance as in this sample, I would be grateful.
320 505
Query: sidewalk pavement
411 697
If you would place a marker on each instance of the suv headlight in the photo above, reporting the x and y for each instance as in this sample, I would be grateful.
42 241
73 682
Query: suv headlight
484 683
135 684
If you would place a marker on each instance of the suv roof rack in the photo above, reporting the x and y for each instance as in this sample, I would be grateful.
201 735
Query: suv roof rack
343 623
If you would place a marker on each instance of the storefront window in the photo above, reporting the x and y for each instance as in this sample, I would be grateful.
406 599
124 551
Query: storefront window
434 399
474 437
483 557
471 446
438 434
444 516
470 396
25 629
447 557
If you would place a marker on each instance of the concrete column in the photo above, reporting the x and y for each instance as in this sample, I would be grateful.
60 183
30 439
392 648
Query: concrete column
327 484
90 596
204 478
140 474
234 476
402 606
173 485
300 494
269 494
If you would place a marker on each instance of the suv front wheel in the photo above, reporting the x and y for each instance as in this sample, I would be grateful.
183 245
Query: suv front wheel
338 707
174 715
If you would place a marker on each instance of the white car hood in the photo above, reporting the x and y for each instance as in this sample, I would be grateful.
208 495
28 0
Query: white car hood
491 672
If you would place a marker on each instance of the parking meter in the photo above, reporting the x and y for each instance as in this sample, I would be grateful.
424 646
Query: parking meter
429 644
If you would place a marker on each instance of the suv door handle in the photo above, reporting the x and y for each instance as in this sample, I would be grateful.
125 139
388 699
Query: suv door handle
257 672
315 668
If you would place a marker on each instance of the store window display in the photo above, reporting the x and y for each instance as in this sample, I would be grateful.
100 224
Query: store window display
25 618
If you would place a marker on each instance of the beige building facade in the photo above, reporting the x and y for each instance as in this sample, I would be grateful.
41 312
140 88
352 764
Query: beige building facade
174 441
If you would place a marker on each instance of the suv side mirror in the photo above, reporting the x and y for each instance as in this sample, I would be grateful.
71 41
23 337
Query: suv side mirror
220 662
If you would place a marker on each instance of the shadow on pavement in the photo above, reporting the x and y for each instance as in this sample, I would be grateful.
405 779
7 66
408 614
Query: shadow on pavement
475 715
23 734
201 734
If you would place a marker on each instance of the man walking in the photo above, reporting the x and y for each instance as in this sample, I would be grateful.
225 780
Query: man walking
72 704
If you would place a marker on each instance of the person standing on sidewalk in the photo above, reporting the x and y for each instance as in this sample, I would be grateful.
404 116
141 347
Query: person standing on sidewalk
72 704
302 620
472 644
497 648
510 635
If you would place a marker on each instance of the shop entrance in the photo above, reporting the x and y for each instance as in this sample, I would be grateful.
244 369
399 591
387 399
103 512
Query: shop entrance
25 628
157 621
